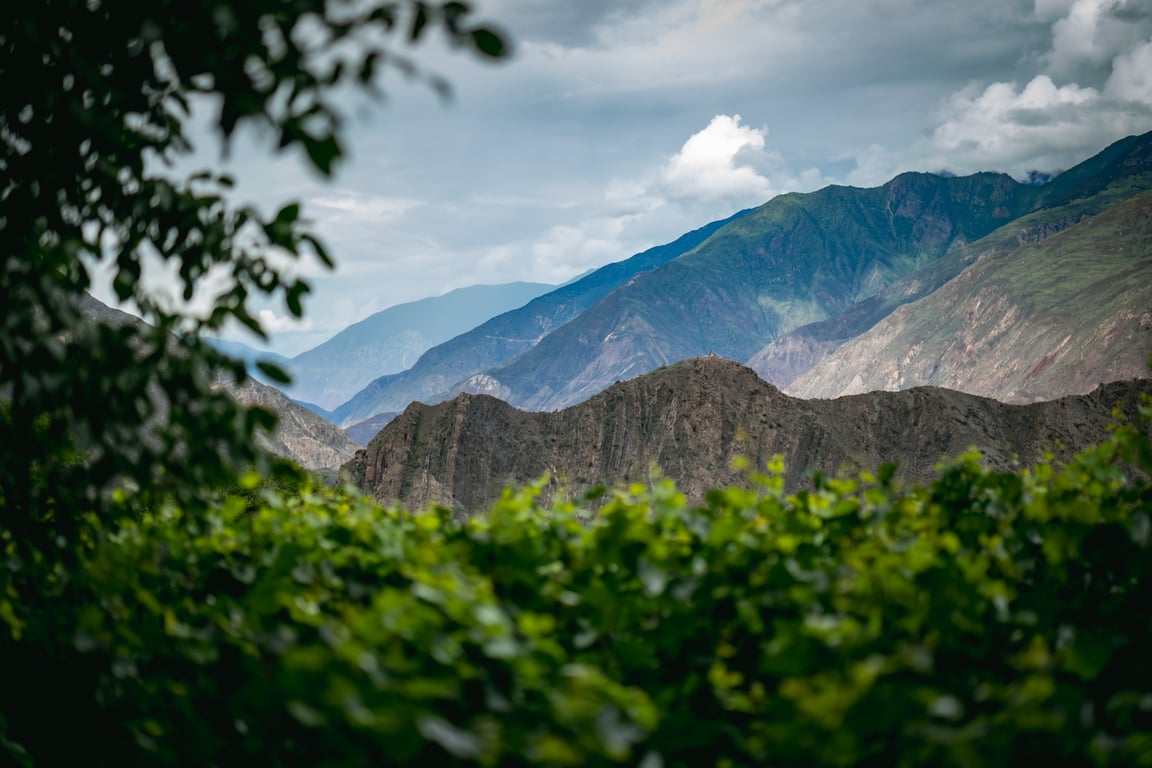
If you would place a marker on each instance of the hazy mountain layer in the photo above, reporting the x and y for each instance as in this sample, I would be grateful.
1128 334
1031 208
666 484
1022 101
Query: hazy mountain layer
393 339
693 419
506 336
363 432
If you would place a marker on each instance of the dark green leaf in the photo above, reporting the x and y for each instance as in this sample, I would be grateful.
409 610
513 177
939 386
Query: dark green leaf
274 372
489 43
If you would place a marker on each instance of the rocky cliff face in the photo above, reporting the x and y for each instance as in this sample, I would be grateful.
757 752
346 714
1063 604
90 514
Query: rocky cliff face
692 419
301 435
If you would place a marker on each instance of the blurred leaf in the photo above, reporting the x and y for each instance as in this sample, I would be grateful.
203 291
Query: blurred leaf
274 372
488 43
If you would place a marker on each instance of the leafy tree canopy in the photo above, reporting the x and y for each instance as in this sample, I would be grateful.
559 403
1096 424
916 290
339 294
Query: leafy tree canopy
97 97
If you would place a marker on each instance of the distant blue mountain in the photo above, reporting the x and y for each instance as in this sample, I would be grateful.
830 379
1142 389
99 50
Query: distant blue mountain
250 355
510 334
393 339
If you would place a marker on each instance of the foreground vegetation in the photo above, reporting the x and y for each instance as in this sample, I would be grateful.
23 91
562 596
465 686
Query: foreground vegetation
985 618
147 618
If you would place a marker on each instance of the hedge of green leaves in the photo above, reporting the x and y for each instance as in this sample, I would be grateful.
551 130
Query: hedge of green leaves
985 619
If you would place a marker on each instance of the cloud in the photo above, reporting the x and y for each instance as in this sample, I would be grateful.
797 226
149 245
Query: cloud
1131 78
1090 35
707 166
1053 120
716 171
729 161
274 323
1003 125
363 208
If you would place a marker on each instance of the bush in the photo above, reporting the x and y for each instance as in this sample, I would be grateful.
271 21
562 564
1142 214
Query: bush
986 618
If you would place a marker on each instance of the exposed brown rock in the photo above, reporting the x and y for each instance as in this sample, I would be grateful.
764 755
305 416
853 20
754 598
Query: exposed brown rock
692 419
300 435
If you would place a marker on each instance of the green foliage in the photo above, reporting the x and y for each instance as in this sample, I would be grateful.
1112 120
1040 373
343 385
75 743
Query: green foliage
984 619
147 617
96 99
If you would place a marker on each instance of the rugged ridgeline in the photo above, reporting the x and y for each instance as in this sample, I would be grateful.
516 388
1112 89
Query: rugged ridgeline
786 285
692 419
833 263
503 337
797 259
300 435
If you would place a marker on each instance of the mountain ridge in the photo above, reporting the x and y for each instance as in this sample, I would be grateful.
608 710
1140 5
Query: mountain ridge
693 419
797 258
791 355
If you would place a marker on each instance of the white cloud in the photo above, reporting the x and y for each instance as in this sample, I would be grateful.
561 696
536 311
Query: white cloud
707 166
718 170
363 208
1131 77
273 323
729 162
999 123
1041 126
568 250
1088 36
1054 120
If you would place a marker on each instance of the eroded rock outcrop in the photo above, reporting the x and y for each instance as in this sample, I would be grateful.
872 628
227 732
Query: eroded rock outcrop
692 419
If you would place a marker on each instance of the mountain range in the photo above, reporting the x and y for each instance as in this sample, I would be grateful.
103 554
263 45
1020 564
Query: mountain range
985 284
508 335
693 420
1016 292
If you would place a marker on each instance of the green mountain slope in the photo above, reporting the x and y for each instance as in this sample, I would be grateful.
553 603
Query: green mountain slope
393 339
506 336
797 259
1055 317
1115 175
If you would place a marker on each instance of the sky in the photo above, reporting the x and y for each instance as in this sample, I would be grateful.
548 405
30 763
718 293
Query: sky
617 125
